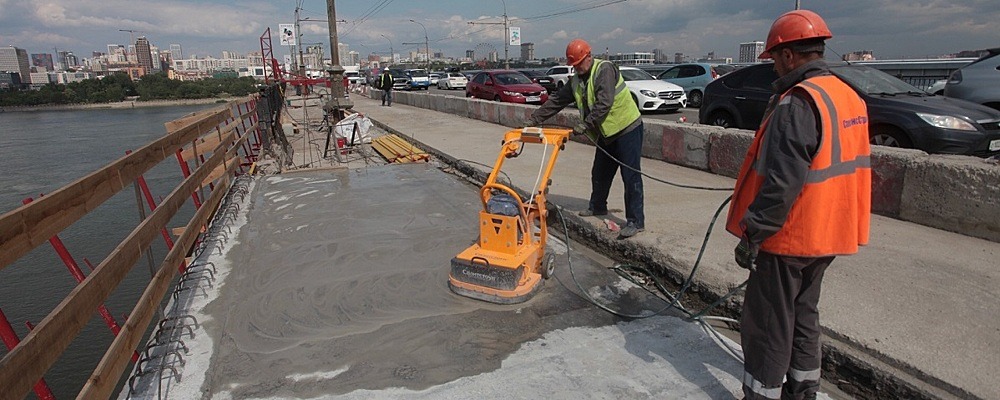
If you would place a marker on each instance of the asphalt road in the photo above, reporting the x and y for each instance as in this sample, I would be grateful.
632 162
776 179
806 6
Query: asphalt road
690 113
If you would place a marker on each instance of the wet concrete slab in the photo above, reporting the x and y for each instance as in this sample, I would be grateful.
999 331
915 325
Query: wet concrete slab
335 286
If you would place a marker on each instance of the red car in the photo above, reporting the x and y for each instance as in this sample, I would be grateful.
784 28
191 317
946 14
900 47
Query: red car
506 86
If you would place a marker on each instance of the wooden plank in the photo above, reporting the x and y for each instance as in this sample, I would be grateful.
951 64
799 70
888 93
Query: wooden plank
30 225
177 231
29 361
104 378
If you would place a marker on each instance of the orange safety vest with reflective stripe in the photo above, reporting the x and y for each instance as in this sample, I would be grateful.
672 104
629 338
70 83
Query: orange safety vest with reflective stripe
832 214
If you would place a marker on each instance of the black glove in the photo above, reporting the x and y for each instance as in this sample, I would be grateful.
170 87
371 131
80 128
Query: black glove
580 129
746 253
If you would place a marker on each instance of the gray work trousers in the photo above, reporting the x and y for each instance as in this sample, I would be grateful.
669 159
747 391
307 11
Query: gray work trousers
780 329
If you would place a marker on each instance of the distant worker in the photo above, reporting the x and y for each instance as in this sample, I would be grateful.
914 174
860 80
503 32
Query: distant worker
802 197
385 83
611 119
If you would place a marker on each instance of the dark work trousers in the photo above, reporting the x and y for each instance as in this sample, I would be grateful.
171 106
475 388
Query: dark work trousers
626 147
387 96
780 327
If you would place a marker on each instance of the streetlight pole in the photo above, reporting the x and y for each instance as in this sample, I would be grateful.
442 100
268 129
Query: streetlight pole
797 4
427 49
392 54
338 101
506 36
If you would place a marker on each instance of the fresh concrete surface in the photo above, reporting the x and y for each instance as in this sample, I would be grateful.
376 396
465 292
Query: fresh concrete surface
332 284
920 302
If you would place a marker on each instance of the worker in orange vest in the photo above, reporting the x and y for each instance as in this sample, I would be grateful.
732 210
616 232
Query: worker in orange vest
802 197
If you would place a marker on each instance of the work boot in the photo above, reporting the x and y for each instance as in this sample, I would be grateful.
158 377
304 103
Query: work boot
590 213
630 229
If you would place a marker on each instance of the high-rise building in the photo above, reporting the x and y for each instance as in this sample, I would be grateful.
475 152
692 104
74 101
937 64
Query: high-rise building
470 54
660 56
143 55
750 50
67 60
43 60
527 51
176 52
678 58
13 59
343 50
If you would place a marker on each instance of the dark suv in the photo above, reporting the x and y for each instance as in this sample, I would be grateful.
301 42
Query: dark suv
978 82
900 114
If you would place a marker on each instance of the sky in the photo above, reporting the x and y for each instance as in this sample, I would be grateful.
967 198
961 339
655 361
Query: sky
891 28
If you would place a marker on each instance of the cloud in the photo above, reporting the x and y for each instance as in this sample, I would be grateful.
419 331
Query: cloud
615 34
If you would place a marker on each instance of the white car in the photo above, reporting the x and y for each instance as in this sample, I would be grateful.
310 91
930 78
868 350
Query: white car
560 74
452 80
652 94
434 78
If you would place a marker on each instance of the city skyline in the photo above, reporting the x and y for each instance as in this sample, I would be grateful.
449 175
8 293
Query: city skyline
891 29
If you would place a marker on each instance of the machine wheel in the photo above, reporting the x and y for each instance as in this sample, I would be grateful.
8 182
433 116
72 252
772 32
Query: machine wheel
885 135
722 118
549 268
694 99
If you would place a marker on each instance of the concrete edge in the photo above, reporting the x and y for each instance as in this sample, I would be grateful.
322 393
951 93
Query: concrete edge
953 193
858 370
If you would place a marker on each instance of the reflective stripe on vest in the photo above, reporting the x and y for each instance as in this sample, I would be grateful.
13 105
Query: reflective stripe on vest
623 111
832 213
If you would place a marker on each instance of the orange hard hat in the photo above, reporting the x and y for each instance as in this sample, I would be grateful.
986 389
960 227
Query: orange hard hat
576 51
794 26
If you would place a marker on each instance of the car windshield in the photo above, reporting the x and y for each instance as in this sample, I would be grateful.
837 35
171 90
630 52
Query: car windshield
455 75
512 79
874 82
636 75
418 72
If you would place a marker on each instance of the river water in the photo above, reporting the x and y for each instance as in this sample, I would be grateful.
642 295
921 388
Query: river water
43 151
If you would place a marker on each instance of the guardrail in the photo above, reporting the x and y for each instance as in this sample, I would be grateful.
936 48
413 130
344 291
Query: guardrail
219 141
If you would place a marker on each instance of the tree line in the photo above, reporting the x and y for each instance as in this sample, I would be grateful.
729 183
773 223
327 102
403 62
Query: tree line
118 86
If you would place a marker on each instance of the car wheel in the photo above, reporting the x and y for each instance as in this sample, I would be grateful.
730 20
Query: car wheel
889 136
468 94
694 99
559 85
722 118
497 98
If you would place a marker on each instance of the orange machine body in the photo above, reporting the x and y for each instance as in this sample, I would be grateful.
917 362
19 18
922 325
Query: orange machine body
507 264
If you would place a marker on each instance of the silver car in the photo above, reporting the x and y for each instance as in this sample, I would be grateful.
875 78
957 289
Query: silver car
978 82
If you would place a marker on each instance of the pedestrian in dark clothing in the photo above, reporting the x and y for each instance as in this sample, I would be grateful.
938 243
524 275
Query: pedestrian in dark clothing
385 83
611 119
802 197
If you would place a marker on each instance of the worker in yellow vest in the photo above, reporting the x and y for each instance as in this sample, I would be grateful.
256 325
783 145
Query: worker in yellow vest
611 119
802 197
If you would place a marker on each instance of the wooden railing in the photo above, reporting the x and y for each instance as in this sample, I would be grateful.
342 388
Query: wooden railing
222 138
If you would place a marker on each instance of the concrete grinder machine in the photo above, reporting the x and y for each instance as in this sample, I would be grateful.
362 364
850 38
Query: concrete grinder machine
508 265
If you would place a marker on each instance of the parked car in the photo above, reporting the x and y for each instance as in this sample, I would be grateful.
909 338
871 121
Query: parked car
540 78
693 78
400 80
937 87
560 74
452 80
507 86
354 77
978 82
418 78
652 94
900 114
434 77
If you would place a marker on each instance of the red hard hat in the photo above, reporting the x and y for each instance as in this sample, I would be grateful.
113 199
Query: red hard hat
793 26
576 51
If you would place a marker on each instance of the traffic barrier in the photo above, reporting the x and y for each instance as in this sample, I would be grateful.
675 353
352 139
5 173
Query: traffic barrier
954 193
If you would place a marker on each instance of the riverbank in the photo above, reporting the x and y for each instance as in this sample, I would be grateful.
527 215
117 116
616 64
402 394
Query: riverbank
118 105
